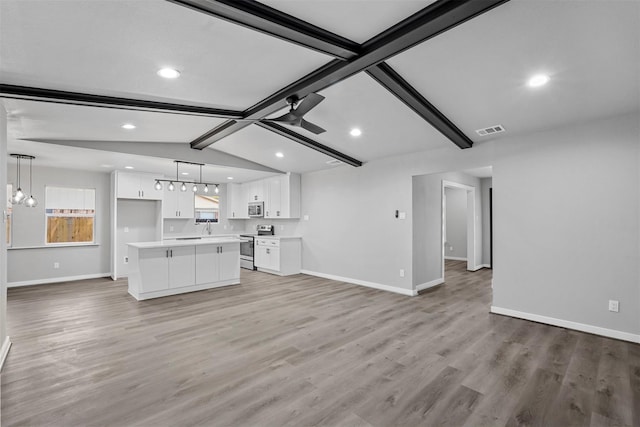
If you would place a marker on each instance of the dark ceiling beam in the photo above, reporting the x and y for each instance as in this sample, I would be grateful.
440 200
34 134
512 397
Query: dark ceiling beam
85 99
308 142
394 83
423 25
260 17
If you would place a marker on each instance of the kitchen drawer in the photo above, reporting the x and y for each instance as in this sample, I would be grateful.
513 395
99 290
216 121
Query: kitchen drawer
268 242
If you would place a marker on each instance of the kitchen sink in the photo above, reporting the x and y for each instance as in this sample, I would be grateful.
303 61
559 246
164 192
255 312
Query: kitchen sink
188 238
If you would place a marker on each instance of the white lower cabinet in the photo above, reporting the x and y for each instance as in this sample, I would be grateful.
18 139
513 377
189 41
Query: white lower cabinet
278 256
157 270
217 263
164 268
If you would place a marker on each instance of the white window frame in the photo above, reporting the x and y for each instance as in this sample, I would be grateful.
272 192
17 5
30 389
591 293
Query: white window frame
47 215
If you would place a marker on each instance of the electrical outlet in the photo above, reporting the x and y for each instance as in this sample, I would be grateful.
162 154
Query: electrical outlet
126 229
282 228
126 260
225 227
306 217
614 305
56 265
403 215
401 272
171 228
450 248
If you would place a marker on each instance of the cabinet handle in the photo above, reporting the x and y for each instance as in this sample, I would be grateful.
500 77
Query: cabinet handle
166 253
171 252
277 213
220 249
142 192
267 213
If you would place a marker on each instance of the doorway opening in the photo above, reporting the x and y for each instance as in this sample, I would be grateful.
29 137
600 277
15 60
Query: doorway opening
459 228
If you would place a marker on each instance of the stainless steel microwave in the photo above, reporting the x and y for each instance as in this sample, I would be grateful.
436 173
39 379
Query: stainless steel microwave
256 209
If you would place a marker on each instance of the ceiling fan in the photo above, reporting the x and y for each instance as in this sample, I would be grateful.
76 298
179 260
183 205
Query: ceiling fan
294 116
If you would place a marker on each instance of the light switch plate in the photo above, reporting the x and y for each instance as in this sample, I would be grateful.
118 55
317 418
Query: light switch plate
402 215
614 306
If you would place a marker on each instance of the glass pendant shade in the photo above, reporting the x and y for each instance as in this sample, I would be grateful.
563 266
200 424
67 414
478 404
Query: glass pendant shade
206 188
158 185
194 188
183 187
171 187
31 202
216 190
18 196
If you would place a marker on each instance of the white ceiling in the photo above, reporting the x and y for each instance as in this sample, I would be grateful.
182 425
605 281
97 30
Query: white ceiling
357 20
475 74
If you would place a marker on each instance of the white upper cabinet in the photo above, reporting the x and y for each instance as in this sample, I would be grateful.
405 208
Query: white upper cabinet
236 201
136 186
282 196
254 191
178 204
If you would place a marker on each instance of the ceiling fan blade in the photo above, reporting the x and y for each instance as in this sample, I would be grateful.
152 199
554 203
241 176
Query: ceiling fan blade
311 127
307 104
289 117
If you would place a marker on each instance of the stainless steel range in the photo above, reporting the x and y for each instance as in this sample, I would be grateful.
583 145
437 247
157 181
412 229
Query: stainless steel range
247 245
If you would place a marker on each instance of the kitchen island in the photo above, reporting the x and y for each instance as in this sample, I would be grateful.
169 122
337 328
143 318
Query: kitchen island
168 267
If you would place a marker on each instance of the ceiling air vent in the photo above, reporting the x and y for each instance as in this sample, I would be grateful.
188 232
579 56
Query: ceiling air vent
334 162
490 130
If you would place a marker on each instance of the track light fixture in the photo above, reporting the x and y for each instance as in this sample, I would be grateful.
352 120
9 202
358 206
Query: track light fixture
19 197
183 184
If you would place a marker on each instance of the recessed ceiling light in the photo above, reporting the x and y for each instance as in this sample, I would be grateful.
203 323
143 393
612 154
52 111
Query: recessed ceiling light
107 166
355 132
184 173
169 73
229 177
128 167
128 126
538 80
279 154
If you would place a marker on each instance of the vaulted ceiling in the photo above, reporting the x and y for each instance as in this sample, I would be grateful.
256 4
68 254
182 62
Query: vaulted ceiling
412 75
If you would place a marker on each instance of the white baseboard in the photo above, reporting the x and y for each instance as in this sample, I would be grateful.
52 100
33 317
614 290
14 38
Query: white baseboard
6 345
484 266
596 330
455 258
57 280
431 284
380 286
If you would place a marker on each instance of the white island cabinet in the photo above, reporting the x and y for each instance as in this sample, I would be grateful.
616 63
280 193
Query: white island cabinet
158 269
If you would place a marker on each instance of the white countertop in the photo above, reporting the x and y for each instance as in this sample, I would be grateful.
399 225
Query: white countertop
278 237
185 242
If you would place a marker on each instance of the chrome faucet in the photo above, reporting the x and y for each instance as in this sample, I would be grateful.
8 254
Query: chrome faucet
207 228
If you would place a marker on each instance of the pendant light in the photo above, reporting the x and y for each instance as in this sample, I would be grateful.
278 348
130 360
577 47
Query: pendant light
18 196
31 202
183 184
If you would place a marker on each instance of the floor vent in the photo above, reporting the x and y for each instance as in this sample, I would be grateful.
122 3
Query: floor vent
490 130
334 162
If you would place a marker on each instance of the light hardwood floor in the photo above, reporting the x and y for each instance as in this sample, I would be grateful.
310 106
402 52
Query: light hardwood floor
304 351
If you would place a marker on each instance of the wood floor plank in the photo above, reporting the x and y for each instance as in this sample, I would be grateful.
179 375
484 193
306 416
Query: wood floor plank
302 350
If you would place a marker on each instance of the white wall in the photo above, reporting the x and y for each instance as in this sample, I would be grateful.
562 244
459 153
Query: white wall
485 185
566 224
4 338
456 223
566 235
35 264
